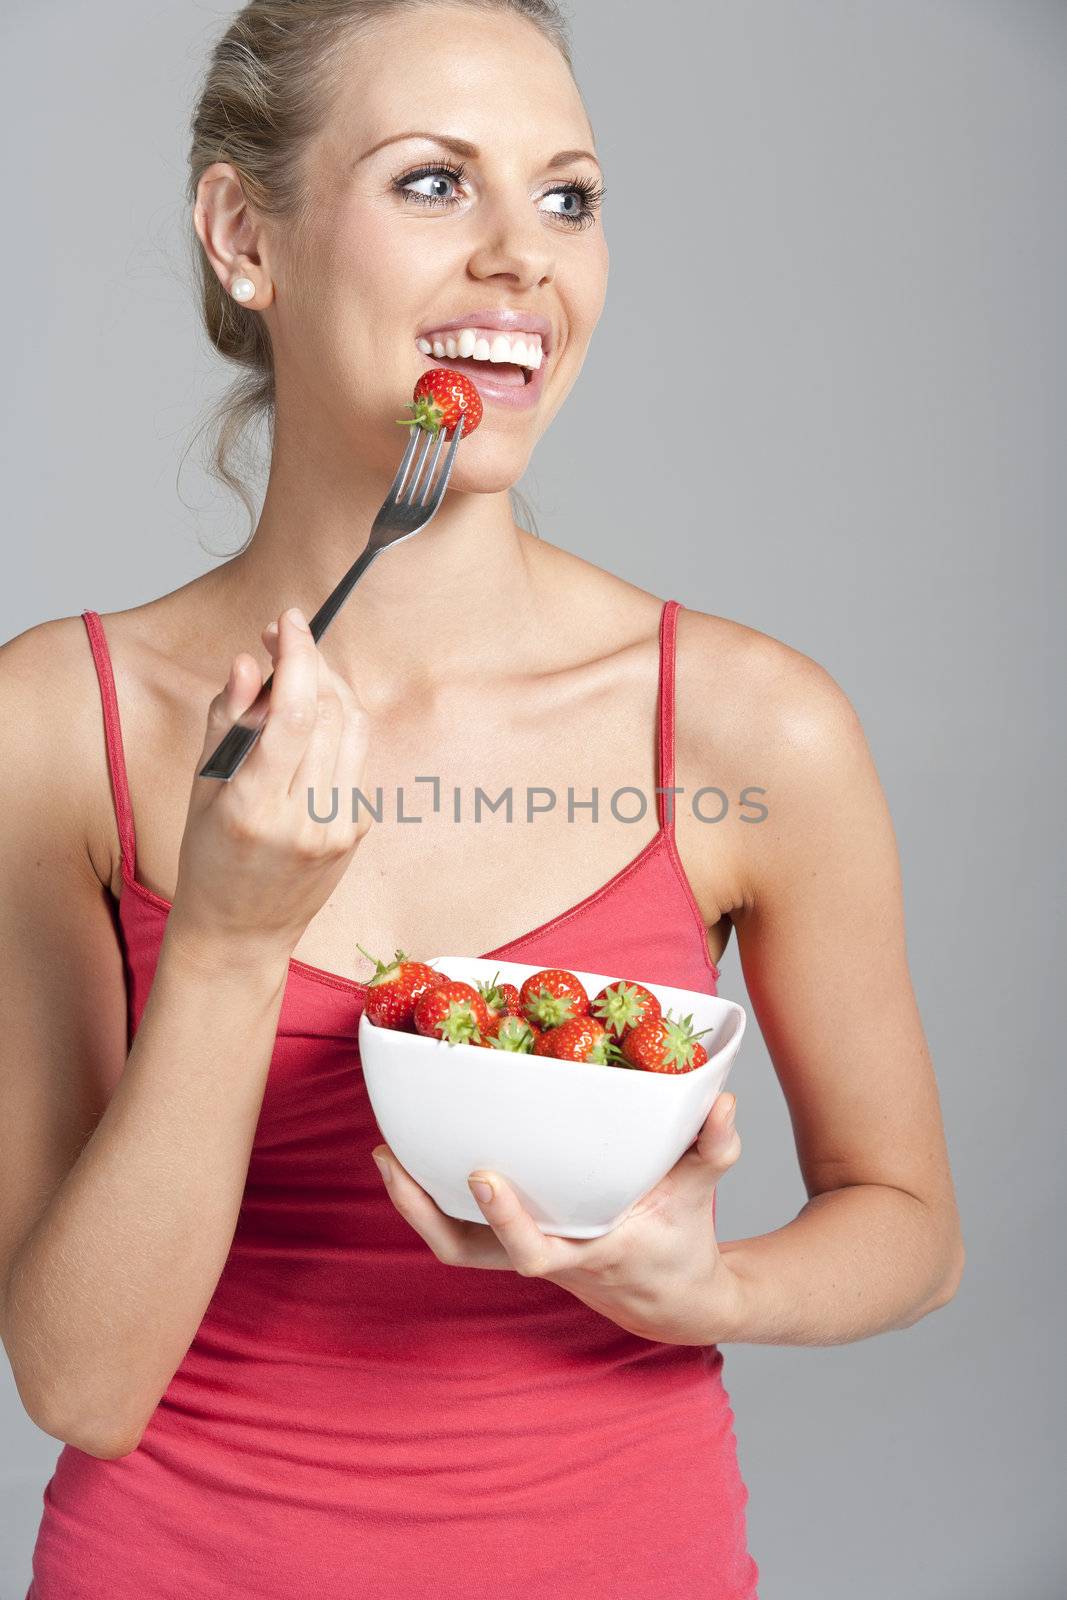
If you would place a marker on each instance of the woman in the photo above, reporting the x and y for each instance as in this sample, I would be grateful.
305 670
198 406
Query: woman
274 1374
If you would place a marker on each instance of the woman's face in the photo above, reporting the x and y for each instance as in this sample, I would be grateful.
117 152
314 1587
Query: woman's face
392 251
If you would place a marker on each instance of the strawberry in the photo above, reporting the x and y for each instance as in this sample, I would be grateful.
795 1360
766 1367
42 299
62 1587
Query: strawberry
497 1020
440 398
663 1044
502 999
700 1055
623 1005
552 996
395 987
452 1010
581 1039
514 1033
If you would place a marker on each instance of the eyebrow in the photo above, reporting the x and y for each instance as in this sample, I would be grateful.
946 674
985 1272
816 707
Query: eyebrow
462 147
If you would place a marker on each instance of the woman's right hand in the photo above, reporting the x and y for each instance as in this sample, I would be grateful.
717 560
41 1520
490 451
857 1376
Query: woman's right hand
254 865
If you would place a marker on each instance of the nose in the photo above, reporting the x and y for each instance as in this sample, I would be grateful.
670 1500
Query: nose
514 243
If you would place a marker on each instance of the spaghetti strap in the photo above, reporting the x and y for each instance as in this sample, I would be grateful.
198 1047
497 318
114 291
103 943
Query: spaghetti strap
116 759
667 630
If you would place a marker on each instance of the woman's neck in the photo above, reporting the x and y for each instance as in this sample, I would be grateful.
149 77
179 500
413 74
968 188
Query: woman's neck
467 584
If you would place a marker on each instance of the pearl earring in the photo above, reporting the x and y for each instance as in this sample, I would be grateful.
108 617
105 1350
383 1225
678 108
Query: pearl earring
243 289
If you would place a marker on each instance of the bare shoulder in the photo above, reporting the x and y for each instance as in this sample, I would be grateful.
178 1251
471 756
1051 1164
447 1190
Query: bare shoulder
48 686
52 713
52 738
767 725
774 693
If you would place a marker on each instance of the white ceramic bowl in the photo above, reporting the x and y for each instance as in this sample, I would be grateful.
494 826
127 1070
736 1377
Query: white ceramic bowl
579 1142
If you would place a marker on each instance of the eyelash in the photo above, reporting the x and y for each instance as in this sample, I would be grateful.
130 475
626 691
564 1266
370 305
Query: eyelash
591 192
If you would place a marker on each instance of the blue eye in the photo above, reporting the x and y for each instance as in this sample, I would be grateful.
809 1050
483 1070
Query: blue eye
589 193
428 199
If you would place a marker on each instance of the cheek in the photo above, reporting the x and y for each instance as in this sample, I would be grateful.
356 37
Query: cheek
354 259
391 258
372 293
594 286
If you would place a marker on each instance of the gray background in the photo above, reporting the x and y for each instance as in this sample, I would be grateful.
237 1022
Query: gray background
846 218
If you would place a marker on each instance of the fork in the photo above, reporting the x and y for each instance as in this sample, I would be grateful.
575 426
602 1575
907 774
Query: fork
400 516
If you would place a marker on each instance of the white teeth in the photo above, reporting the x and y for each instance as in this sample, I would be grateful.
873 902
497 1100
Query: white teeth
525 351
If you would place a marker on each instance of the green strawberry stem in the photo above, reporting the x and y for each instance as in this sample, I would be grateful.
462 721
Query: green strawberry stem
513 1034
425 413
550 1010
604 1051
382 967
621 1008
459 1025
489 992
686 1024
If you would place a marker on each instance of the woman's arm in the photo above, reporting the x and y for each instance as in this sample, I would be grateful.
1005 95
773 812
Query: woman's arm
120 1179
822 944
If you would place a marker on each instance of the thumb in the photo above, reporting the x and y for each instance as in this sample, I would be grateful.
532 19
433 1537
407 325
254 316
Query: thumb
238 693
718 1143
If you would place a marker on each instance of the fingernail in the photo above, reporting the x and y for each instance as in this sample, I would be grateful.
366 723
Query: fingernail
481 1190
730 1114
383 1167
297 617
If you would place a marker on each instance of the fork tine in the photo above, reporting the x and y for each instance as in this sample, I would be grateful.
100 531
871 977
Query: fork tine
433 467
446 472
412 486
401 471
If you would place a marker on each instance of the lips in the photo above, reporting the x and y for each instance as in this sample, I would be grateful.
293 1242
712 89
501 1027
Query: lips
499 318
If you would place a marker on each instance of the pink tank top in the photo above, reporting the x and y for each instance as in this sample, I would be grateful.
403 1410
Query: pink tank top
354 1420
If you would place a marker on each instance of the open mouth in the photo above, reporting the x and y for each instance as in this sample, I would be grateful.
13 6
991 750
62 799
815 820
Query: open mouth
509 373
469 350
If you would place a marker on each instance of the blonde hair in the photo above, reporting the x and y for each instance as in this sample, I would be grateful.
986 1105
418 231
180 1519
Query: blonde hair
269 87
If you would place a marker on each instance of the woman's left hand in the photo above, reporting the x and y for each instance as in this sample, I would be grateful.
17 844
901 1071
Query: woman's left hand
658 1274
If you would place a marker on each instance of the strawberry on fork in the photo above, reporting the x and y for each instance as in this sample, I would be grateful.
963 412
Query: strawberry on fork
440 398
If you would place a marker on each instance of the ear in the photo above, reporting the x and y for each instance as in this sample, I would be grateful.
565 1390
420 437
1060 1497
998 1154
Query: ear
232 236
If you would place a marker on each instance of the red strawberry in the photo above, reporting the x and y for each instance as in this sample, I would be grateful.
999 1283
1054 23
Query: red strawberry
498 1018
663 1045
514 1033
395 987
623 1005
452 1010
700 1055
581 1039
495 1019
440 398
552 996
502 999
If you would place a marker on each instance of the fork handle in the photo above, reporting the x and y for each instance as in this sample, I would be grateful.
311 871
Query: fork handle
228 755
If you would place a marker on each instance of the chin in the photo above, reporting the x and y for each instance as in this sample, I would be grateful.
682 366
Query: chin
497 474
490 461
